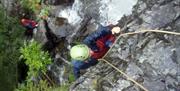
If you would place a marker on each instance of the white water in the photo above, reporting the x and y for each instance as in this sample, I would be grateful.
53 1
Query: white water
72 13
110 11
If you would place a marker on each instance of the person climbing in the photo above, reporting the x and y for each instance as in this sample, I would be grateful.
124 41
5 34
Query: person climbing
94 47
30 25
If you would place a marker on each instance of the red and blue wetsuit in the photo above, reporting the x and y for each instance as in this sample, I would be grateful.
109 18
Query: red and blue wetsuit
29 25
99 42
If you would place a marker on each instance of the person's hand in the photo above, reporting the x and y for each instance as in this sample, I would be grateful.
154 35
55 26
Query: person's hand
116 30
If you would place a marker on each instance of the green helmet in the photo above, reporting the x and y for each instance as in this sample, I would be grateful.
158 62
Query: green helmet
80 52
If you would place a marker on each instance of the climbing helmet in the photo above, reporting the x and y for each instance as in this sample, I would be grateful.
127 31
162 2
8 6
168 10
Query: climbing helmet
80 52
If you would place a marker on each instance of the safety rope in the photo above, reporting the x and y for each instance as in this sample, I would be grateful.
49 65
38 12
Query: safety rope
131 33
127 77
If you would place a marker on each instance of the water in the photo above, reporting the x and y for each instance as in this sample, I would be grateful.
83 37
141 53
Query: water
109 11
72 13
112 10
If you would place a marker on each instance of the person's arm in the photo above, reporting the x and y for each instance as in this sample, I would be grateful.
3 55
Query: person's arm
91 39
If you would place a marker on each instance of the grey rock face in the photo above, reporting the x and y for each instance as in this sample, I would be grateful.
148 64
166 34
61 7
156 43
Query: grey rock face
152 59
159 16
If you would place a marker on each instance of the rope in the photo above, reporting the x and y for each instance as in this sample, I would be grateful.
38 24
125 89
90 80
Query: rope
137 32
132 33
160 31
127 77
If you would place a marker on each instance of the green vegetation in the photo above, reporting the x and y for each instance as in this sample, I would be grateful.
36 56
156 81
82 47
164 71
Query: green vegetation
71 77
33 5
12 50
41 10
44 12
11 34
42 86
36 59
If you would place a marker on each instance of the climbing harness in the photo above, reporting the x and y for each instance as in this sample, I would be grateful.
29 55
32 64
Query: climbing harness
131 33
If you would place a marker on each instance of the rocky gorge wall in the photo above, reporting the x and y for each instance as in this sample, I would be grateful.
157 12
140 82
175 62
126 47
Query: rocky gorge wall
152 59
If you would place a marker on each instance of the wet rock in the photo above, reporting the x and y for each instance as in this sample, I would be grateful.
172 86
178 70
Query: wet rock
171 84
160 58
121 84
154 85
153 19
140 6
146 58
61 27
134 71
57 72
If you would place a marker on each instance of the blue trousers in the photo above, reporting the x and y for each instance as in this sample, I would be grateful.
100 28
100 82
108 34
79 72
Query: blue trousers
78 65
